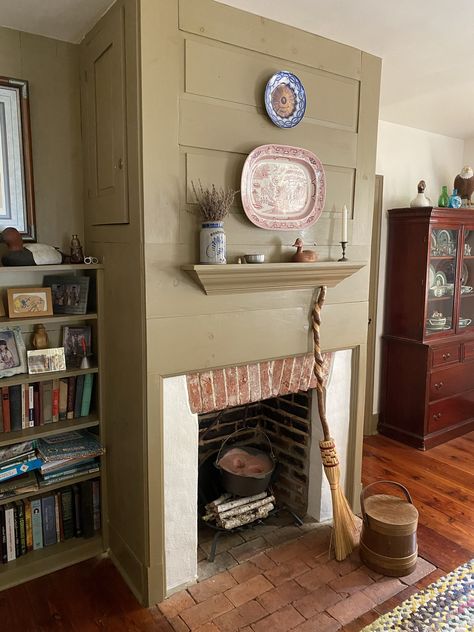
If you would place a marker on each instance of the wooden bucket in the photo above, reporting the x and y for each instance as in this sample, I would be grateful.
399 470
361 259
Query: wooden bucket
388 539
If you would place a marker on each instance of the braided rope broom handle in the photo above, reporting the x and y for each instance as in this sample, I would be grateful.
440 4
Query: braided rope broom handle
318 359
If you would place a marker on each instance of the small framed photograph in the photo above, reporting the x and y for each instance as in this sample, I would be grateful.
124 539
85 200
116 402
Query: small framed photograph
77 344
12 352
28 302
69 293
46 360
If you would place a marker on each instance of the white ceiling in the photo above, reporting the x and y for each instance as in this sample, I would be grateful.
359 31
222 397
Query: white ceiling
67 20
426 46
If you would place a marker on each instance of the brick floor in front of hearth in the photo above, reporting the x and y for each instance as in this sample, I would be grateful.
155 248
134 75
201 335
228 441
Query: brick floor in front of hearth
275 583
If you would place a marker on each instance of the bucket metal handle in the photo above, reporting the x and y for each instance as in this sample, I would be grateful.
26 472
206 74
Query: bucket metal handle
241 430
364 490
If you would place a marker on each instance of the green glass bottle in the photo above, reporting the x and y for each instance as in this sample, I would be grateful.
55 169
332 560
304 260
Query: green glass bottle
443 200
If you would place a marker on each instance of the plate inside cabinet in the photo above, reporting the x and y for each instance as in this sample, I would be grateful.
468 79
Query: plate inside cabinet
283 187
440 279
434 244
464 274
285 99
432 276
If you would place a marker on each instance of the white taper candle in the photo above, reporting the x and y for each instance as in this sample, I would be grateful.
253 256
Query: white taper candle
344 223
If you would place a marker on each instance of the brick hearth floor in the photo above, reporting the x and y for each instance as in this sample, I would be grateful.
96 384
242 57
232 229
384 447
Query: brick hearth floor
279 577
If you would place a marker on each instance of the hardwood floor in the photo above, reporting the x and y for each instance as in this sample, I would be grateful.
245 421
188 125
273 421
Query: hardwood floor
441 482
92 596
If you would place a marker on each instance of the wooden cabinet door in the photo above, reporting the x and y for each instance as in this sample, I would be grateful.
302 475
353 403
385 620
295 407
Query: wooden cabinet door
104 123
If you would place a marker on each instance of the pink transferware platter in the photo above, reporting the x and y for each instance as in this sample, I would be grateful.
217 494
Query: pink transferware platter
283 187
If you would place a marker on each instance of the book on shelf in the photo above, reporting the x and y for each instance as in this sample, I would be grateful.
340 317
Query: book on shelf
15 407
15 452
6 409
36 523
31 524
48 512
9 512
87 394
74 444
3 536
40 403
63 388
16 469
22 484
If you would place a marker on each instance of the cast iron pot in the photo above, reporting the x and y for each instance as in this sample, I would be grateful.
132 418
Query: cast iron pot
245 485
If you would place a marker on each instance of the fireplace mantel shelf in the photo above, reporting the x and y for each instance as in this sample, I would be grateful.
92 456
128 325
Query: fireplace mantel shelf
266 277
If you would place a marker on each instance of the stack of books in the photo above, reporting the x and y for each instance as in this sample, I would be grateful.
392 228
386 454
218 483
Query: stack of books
28 525
29 405
18 459
67 455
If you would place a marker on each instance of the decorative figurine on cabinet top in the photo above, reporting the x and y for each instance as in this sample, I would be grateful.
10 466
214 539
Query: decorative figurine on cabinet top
464 183
455 200
303 256
30 255
443 200
421 199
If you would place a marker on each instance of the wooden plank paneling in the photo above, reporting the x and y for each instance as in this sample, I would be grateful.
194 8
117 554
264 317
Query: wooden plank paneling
367 142
234 74
224 126
226 24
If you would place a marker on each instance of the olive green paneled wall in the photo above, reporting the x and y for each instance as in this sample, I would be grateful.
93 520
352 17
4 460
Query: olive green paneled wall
204 69
120 247
52 70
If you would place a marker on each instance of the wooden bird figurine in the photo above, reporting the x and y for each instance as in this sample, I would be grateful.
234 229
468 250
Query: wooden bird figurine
303 256
464 183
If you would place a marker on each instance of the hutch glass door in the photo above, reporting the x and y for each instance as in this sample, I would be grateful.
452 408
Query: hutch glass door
441 280
466 303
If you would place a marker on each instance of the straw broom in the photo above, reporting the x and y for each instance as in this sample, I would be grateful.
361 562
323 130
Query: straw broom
345 529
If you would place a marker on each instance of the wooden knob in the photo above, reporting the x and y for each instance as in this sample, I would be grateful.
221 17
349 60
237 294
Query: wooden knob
446 356
438 385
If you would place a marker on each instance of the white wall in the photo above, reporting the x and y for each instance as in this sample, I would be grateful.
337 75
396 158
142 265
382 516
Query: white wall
338 406
406 155
469 152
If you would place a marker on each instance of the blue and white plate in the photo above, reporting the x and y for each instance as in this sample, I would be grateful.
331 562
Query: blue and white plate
285 99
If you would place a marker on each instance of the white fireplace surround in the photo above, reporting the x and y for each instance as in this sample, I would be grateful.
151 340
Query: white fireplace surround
180 430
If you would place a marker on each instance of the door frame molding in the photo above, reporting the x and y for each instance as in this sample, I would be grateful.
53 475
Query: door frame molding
371 418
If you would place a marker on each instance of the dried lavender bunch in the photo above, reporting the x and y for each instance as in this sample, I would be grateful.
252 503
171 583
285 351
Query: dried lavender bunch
214 203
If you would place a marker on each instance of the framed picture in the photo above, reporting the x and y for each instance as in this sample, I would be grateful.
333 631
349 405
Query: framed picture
27 302
77 344
17 202
12 352
46 360
69 293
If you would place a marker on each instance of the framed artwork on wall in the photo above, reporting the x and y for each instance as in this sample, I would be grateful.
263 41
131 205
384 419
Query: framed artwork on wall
17 207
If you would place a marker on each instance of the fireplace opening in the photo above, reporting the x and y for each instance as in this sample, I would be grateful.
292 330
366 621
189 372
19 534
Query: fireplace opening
281 425
201 409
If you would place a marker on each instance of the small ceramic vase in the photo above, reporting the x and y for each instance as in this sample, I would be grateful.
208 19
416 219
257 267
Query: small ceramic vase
454 200
443 200
213 243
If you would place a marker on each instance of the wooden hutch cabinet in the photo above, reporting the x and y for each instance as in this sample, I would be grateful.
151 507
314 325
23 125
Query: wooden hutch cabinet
427 382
